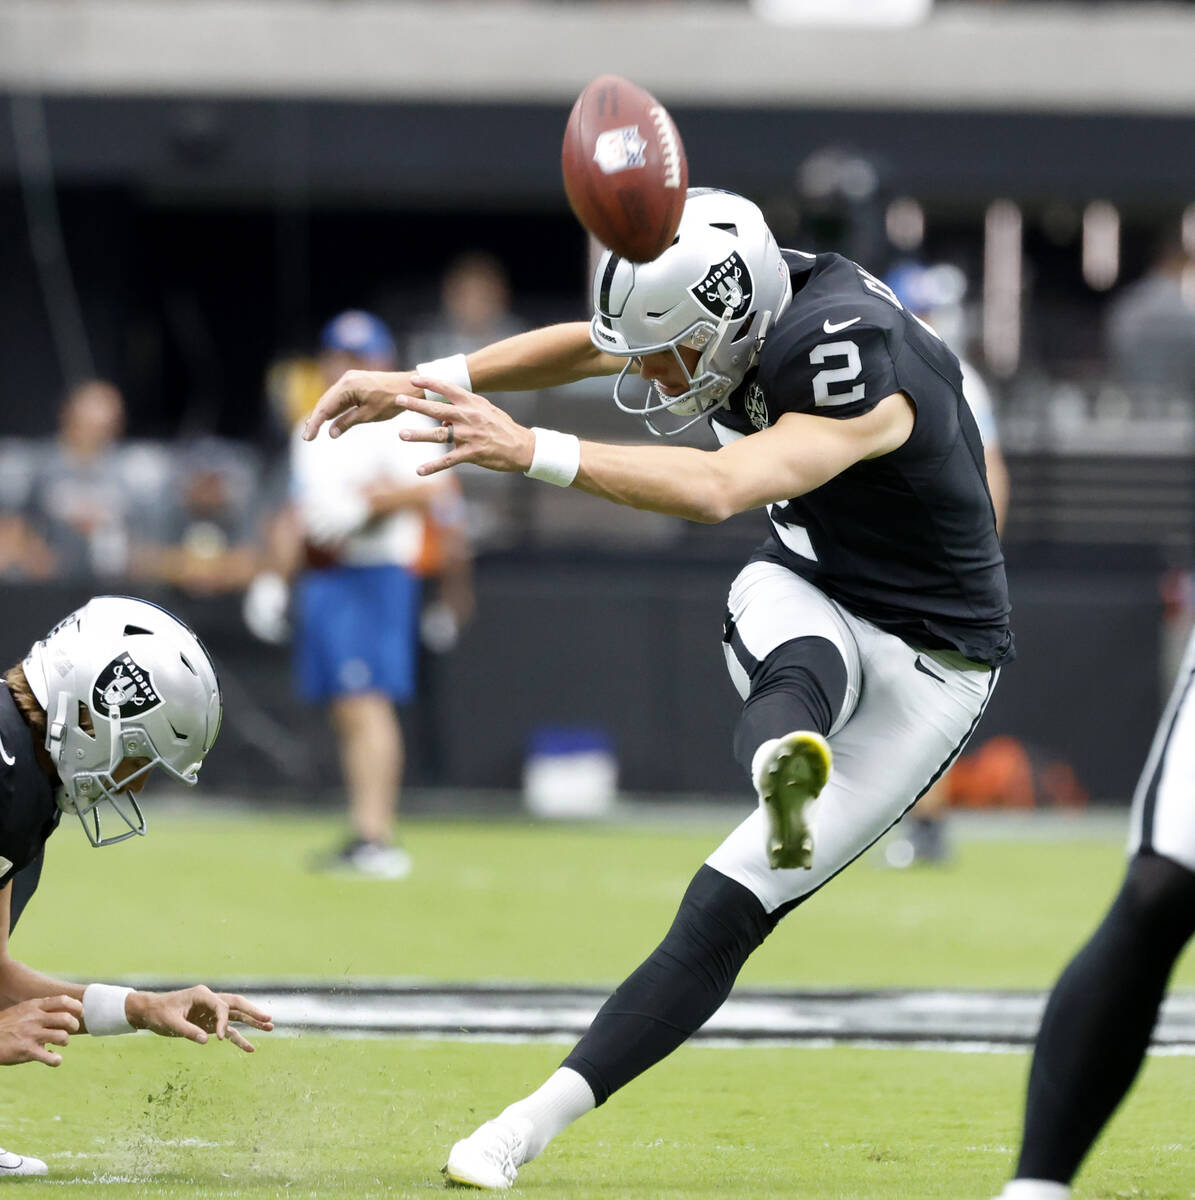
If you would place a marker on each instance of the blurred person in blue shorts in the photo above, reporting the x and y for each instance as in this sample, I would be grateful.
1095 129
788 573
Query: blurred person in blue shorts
116 691
361 510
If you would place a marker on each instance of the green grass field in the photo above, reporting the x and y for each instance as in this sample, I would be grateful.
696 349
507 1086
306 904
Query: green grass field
227 897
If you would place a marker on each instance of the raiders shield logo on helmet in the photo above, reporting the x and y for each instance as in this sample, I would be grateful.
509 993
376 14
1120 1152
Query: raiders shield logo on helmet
123 685
726 285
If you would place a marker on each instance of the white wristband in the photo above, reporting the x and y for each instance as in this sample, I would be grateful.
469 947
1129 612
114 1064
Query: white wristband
103 1009
454 369
556 457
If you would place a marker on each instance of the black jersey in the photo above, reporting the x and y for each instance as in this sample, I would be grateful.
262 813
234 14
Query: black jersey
28 810
907 540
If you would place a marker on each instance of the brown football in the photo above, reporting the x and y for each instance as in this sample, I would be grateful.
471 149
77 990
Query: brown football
625 170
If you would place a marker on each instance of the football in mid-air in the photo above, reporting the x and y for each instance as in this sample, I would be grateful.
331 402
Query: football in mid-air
625 170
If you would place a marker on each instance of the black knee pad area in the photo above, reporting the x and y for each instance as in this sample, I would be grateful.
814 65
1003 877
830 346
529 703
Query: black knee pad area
800 685
1158 900
718 925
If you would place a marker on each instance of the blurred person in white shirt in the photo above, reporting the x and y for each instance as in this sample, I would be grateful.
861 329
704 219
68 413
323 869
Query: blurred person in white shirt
361 510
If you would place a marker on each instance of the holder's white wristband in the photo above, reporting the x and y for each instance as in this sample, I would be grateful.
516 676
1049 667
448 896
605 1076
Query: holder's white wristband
556 457
103 1009
453 369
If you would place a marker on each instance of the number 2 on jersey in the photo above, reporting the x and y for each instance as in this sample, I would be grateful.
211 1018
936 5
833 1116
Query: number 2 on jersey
852 369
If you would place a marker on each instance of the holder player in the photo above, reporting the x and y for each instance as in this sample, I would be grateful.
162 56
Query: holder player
864 636
117 690
1101 1014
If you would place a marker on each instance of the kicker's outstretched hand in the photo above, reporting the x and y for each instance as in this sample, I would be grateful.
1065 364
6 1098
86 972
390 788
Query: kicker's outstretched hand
358 397
474 430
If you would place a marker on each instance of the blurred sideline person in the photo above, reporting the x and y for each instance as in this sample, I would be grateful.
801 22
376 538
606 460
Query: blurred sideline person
361 511
475 310
205 538
870 626
1100 1016
935 294
23 555
474 307
79 506
118 689
1150 328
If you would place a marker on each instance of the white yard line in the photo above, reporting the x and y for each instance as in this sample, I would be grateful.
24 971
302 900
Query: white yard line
965 1021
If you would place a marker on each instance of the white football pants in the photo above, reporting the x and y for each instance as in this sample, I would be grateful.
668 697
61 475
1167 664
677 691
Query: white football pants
906 716
1163 816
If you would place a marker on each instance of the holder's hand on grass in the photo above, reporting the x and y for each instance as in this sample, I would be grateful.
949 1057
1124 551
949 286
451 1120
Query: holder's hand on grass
475 430
29 1028
194 1013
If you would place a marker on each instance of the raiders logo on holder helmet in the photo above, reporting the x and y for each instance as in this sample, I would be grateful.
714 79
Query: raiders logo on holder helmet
124 687
122 679
716 290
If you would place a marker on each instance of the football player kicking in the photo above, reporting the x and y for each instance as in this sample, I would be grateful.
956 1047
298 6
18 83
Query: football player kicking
114 691
870 627
1102 1011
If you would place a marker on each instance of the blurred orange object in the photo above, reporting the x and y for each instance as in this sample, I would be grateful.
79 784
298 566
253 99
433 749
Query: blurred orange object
1003 773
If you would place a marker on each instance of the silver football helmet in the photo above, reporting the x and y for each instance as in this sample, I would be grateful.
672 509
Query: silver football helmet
122 679
717 289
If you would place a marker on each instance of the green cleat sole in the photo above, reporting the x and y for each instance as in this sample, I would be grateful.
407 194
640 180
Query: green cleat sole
799 769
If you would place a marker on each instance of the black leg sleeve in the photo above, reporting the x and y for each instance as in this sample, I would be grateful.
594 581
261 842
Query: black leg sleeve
681 985
1097 1024
800 685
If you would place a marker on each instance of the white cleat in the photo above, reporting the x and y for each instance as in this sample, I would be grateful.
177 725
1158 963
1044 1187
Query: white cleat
360 859
20 1164
372 861
1035 1189
490 1157
788 773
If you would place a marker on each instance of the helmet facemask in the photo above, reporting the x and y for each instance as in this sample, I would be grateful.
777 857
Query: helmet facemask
706 389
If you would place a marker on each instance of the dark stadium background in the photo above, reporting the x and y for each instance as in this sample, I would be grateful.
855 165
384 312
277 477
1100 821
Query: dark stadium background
209 231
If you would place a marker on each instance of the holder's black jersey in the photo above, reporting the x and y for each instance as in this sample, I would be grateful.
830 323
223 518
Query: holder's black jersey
908 540
28 810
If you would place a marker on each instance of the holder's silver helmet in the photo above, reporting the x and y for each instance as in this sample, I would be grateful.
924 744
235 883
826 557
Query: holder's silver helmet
716 289
122 679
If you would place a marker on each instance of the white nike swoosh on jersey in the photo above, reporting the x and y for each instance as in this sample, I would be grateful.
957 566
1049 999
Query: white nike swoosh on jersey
835 326
4 754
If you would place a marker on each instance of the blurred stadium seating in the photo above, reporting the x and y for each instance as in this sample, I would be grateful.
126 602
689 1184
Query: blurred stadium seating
187 192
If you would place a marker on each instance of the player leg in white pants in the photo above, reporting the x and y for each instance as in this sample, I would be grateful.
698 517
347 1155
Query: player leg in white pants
894 718
905 717
1100 1016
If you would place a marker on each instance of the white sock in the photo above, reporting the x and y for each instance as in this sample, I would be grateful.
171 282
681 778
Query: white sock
1035 1189
551 1108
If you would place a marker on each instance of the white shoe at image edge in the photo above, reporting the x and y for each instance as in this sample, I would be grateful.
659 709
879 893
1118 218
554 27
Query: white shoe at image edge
490 1157
20 1164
